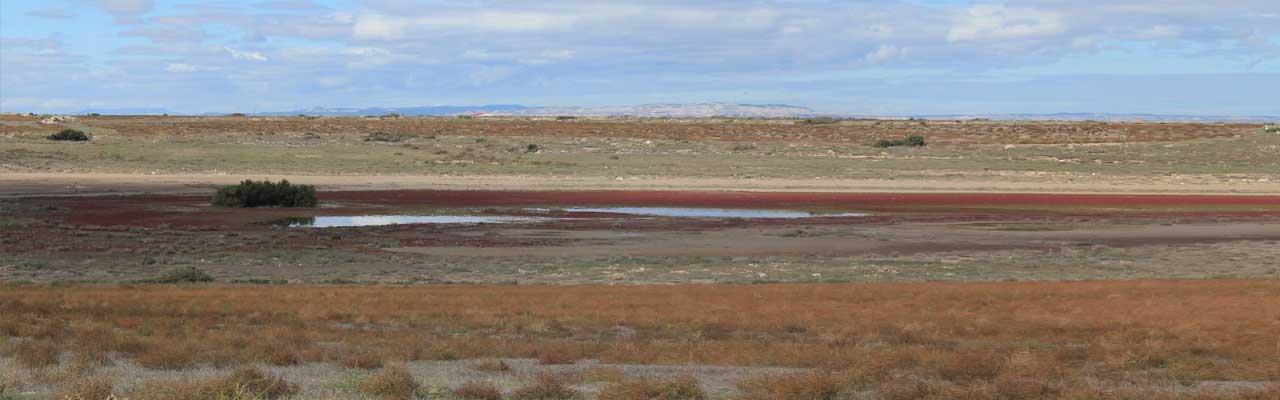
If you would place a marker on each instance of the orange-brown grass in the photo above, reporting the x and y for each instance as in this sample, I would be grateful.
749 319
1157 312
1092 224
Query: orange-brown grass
392 383
545 387
490 365
91 388
246 384
679 388
809 385
475 390
1011 339
37 353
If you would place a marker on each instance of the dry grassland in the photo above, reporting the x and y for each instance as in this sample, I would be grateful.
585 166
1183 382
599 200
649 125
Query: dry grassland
1084 340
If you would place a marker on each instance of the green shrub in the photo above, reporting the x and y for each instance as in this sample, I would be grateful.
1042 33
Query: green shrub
386 137
819 121
69 135
265 194
186 274
909 141
1271 129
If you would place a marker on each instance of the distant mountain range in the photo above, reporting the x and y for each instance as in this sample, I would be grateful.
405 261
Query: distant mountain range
647 110
697 110
1112 117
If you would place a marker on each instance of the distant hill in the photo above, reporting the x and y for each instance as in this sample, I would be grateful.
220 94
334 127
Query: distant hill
126 111
701 110
646 110
1112 117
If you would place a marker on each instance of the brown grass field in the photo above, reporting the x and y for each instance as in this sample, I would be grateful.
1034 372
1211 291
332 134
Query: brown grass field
1085 340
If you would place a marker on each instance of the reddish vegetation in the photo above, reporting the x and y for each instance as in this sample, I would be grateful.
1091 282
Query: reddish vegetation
1014 338
980 132
155 210
853 201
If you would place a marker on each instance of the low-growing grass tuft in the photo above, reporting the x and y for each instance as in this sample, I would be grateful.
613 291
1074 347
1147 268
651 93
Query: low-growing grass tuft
250 193
392 383
808 386
475 390
92 388
490 365
243 384
545 387
37 353
679 388
184 274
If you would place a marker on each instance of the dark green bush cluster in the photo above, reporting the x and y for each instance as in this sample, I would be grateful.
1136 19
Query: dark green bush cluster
386 137
187 274
909 141
69 135
265 194
1271 129
820 120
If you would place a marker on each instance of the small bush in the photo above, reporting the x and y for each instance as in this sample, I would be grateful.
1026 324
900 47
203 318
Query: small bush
909 141
69 135
386 137
565 118
808 386
819 121
95 388
552 357
478 391
681 388
491 365
243 384
366 359
1271 129
265 194
604 374
37 354
546 387
392 383
532 148
185 274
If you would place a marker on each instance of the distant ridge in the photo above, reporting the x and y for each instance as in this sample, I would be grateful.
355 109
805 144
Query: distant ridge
126 111
1111 117
692 110
701 110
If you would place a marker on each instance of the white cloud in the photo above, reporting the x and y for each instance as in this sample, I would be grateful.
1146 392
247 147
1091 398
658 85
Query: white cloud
379 27
245 55
549 56
185 68
884 53
993 22
1160 32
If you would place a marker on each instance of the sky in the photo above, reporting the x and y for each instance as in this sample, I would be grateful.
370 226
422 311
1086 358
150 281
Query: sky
867 57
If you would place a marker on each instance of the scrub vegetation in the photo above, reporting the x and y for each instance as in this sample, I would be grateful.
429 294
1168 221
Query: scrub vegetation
1139 339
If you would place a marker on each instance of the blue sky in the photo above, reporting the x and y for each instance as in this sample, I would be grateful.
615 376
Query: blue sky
877 57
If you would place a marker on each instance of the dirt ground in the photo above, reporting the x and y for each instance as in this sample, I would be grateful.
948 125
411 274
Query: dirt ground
904 236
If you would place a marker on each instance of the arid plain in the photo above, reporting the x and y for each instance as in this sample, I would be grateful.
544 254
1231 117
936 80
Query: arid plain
627 258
